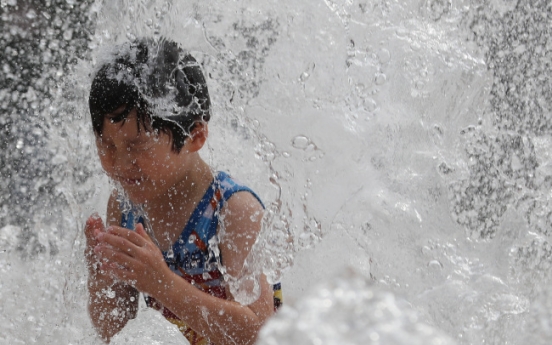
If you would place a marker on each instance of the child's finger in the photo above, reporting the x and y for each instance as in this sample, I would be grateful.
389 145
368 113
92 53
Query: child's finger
119 243
129 235
93 225
112 255
142 232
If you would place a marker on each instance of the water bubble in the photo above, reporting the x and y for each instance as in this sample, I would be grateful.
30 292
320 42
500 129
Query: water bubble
435 265
426 250
31 14
301 142
109 293
351 309
8 237
380 78
68 34
384 56
307 73
415 46
369 104
444 168
438 8
310 148
401 32
366 227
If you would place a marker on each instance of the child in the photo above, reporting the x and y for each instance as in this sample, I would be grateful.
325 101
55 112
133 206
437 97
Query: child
150 107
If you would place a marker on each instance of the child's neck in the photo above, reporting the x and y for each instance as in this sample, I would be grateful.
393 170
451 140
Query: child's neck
169 213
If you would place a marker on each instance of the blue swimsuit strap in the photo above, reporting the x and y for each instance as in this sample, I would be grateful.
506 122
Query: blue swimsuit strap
204 203
235 188
128 221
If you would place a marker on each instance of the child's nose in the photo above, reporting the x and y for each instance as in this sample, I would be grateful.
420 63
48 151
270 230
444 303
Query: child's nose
124 160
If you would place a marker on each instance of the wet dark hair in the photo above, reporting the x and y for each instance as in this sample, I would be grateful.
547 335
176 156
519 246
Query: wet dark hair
157 78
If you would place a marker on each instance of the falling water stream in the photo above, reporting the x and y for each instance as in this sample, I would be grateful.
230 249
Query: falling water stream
403 150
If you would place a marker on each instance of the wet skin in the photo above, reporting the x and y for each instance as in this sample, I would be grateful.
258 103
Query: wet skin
169 185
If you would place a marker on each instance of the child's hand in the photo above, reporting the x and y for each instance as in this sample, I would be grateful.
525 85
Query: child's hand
94 226
132 257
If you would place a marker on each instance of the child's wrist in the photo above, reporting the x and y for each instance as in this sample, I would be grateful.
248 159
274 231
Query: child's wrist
165 285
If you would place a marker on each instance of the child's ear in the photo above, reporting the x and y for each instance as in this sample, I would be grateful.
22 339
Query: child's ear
197 137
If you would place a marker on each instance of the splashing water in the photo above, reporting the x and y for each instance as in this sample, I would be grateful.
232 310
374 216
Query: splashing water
408 140
350 310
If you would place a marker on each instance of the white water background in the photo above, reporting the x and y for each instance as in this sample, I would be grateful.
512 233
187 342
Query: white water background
402 148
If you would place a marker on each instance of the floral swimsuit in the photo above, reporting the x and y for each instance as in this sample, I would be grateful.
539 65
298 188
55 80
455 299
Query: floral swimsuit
193 256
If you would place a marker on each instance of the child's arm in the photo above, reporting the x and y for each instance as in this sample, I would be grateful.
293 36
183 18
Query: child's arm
111 304
223 321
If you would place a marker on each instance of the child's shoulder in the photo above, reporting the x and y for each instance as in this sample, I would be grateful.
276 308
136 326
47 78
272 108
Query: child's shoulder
242 215
230 186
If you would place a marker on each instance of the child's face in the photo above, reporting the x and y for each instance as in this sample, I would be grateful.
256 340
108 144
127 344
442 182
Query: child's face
140 160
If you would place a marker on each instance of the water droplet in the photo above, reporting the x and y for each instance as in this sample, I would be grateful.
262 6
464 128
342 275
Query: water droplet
380 78
438 8
384 56
307 73
435 265
19 144
31 14
374 336
426 250
170 253
310 147
370 105
109 293
444 168
304 76
68 34
130 36
300 142
401 32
